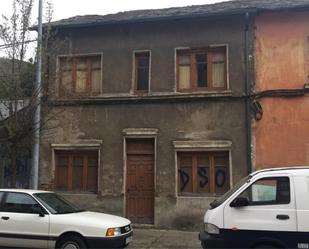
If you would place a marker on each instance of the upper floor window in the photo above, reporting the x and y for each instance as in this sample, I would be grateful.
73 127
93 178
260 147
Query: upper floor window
201 69
80 75
142 71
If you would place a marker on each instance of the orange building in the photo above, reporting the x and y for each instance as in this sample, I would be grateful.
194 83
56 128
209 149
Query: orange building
281 136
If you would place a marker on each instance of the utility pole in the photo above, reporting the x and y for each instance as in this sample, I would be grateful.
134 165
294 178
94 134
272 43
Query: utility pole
37 115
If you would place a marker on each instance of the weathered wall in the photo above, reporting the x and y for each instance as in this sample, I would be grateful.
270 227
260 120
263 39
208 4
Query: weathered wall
188 121
282 52
204 119
117 43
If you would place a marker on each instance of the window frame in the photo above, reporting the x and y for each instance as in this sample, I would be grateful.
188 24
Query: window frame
69 180
192 52
211 192
61 89
136 55
267 203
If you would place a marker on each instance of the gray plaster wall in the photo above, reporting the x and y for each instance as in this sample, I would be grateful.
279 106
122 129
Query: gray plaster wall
199 120
118 42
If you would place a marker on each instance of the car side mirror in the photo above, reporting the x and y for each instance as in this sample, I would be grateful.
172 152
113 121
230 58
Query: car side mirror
38 210
240 202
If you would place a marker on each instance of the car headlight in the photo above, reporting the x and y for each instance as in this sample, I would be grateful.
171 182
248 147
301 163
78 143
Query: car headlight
111 232
211 229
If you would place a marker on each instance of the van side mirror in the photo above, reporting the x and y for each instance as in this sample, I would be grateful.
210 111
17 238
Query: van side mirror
240 202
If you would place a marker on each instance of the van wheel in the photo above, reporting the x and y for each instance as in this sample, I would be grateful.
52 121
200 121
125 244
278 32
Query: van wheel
71 242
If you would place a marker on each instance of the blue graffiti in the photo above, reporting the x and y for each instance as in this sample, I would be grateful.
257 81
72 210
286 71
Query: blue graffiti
21 168
220 178
185 178
220 174
202 172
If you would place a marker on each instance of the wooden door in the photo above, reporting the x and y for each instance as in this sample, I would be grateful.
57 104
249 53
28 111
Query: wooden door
140 181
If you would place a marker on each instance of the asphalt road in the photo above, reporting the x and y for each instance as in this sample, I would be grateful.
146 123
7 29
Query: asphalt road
164 239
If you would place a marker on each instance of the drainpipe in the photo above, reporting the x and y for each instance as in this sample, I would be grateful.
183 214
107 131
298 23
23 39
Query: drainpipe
248 92
37 106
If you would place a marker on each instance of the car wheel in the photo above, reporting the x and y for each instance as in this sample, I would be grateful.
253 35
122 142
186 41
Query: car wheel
71 242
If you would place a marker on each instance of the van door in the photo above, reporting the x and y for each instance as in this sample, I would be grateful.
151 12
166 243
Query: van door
267 214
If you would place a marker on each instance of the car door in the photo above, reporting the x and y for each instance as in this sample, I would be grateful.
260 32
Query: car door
269 213
20 222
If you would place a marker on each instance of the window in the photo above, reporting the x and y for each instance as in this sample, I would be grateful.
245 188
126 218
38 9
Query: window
269 191
19 203
80 75
201 69
203 173
142 62
76 171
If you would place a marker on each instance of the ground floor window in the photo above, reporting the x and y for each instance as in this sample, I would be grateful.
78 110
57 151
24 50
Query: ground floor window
203 173
76 170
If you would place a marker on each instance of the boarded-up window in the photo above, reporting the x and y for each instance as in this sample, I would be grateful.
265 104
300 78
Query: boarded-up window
142 62
76 171
201 69
80 75
203 173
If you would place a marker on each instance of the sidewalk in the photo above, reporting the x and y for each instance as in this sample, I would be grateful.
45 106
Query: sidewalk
165 239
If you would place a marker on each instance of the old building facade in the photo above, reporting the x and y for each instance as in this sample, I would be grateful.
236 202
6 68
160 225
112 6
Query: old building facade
147 124
152 110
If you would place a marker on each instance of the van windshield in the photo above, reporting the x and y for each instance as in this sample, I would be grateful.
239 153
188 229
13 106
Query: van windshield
223 198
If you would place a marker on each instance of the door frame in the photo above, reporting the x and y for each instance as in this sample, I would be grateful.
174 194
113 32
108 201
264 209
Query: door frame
139 134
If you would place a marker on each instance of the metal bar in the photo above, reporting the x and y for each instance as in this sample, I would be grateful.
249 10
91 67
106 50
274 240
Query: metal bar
248 92
37 115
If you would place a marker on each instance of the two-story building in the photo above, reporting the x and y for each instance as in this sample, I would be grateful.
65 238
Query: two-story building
152 109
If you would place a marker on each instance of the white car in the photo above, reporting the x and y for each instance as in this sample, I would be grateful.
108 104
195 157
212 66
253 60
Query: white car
43 219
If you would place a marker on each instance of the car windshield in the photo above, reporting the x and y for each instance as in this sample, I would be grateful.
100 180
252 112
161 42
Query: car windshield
223 198
56 204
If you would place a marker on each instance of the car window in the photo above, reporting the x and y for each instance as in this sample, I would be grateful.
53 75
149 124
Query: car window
268 191
19 203
1 196
56 204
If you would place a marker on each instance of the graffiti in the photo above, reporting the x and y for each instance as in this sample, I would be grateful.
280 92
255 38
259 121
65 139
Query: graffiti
21 168
220 178
185 178
220 175
202 172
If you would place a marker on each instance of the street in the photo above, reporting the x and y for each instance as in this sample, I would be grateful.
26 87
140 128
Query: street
151 238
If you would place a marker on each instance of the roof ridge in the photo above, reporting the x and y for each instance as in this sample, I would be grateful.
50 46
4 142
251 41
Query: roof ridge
222 8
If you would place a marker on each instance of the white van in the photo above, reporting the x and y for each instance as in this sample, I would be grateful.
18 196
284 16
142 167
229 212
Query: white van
267 209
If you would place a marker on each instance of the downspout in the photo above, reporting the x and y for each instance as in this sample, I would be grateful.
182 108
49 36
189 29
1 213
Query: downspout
248 93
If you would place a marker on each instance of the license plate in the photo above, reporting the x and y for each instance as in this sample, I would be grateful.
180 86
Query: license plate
129 239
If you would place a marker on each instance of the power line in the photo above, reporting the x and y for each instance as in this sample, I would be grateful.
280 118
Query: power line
7 45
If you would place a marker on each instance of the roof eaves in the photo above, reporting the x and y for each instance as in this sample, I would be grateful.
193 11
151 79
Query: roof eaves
153 19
